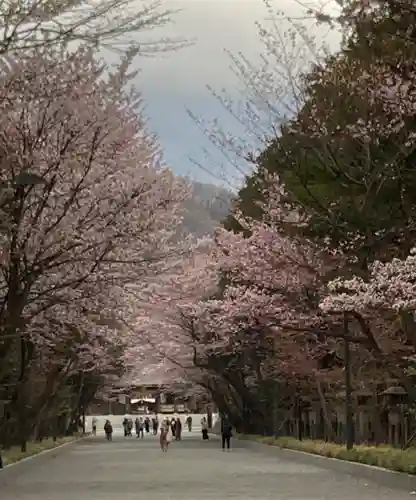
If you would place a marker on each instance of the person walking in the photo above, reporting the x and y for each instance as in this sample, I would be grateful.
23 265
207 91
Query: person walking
129 427
147 424
165 436
178 429
226 433
204 426
189 423
173 426
141 428
155 424
137 426
94 426
108 429
125 423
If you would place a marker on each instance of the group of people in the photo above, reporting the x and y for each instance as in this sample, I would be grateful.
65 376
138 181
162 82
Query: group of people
169 430
173 428
141 425
145 425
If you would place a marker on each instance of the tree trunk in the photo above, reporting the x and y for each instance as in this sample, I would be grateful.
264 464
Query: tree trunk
324 407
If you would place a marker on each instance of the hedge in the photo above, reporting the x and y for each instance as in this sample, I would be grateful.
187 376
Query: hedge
382 456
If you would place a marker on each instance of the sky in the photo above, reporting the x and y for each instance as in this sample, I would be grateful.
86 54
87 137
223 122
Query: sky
176 81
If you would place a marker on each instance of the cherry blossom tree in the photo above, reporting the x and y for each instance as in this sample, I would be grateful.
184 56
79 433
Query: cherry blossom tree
390 287
338 131
88 209
389 291
157 349
264 328
108 23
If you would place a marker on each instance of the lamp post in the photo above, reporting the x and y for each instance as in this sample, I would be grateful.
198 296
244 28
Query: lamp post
349 424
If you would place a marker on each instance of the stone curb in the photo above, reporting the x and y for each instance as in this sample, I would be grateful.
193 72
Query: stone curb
384 477
41 453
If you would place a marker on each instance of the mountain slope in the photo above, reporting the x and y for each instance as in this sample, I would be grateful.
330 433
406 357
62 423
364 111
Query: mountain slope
206 208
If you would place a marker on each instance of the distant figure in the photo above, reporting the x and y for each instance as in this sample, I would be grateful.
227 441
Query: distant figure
147 425
129 427
178 429
94 426
189 423
165 436
204 425
108 429
226 433
155 424
141 428
125 426
173 426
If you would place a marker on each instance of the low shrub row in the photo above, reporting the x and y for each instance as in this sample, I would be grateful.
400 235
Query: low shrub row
382 456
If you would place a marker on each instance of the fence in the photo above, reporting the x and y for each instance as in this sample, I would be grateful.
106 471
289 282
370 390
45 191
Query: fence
387 421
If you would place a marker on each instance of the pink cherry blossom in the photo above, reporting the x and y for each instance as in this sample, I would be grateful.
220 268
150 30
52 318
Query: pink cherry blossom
89 212
391 286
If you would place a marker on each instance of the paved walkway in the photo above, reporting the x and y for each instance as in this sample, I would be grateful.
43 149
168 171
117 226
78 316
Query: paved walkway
128 469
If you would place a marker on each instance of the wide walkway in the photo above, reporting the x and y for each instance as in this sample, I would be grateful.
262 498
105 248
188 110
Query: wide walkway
128 469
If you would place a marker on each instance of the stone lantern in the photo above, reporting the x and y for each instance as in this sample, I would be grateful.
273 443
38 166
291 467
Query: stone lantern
363 397
364 417
394 395
395 399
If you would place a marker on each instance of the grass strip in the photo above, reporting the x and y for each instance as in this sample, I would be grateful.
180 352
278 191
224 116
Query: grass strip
14 454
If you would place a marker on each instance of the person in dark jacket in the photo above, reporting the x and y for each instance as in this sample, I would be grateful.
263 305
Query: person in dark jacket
125 424
108 429
129 427
226 433
204 428
189 423
178 429
155 424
